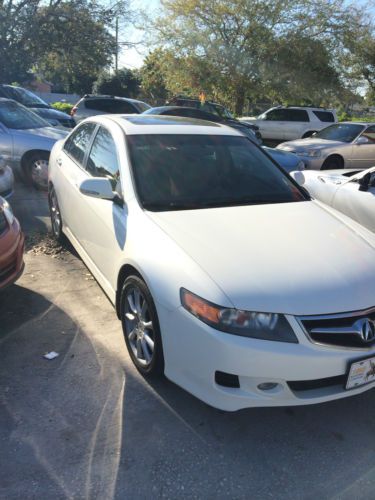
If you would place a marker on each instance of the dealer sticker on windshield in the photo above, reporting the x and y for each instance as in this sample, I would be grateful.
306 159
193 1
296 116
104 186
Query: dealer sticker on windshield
361 373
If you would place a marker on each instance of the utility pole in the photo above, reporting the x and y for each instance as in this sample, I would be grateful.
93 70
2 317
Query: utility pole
117 46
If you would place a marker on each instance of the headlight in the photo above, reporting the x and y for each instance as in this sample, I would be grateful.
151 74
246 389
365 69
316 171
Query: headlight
259 325
311 153
8 212
301 166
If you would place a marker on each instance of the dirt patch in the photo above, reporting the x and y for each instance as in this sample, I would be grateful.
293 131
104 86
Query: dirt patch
42 243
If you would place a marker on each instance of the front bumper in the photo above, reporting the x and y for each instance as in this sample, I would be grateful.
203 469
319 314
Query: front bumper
12 244
194 352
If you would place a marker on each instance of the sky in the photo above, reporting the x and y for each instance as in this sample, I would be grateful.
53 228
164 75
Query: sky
133 58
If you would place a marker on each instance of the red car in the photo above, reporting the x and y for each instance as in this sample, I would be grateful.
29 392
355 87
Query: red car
11 246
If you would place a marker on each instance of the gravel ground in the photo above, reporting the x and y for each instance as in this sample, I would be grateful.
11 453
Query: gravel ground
86 425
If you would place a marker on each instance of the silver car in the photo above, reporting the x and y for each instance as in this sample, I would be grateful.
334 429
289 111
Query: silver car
91 105
342 145
26 141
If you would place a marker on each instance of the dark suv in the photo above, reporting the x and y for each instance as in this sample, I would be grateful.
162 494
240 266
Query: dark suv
91 105
223 115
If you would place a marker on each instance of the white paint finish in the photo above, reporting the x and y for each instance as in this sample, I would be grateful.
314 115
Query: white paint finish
295 258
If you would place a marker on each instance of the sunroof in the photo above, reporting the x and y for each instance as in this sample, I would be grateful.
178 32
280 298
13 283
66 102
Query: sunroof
167 120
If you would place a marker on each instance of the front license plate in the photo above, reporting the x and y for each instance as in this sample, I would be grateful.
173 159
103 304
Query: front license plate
361 373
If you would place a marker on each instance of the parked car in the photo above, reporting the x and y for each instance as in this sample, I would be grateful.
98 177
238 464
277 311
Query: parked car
212 108
295 122
91 105
212 257
6 180
343 145
26 141
287 161
36 104
11 246
350 191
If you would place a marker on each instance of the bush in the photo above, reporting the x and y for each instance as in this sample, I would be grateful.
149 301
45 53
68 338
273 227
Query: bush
65 107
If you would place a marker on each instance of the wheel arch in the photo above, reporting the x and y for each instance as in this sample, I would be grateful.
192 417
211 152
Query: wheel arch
29 154
125 271
334 156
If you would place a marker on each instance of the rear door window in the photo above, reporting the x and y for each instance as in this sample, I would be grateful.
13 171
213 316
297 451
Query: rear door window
110 106
325 116
78 142
297 115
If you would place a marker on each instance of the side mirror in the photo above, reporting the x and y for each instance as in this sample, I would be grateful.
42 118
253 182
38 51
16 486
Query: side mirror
362 140
298 177
98 187
364 182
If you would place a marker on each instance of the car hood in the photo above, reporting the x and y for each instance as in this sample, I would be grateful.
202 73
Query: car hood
293 258
308 143
286 159
51 133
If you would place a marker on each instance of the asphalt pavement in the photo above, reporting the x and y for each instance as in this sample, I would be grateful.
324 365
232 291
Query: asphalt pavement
86 425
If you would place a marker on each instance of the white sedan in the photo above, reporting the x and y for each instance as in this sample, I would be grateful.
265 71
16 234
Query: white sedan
350 191
226 276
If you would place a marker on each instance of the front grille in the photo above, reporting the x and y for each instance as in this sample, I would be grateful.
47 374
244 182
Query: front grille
311 385
3 223
351 330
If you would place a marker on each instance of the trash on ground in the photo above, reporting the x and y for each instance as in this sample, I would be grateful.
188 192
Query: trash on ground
51 355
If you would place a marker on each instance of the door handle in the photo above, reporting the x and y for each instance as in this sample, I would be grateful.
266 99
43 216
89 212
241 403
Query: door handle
59 162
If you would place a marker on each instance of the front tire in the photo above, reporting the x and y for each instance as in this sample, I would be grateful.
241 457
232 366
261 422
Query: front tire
140 326
333 163
55 214
36 170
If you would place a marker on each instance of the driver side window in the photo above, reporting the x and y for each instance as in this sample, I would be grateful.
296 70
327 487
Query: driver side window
102 160
370 134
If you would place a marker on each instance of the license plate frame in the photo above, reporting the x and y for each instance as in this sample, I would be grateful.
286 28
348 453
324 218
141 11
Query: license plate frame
361 372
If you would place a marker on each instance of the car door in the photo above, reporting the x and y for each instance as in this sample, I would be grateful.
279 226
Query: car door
70 172
104 221
359 205
363 155
272 126
297 120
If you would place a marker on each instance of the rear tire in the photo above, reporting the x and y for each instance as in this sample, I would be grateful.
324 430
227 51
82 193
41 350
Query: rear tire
333 163
140 326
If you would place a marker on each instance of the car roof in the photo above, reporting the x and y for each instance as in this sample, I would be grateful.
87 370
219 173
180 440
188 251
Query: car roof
160 124
99 96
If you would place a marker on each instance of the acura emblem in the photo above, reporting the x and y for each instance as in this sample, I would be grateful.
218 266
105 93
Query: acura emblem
365 328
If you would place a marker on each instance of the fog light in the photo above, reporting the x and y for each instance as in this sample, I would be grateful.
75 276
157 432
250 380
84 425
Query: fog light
267 386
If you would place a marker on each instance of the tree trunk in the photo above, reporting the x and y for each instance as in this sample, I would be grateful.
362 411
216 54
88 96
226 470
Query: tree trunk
240 101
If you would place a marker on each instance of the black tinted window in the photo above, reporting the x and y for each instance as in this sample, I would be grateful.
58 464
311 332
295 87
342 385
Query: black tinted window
182 172
102 160
277 115
324 116
110 106
78 142
297 115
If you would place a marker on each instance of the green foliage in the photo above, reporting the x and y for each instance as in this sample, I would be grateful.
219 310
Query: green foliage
122 83
271 50
153 76
65 107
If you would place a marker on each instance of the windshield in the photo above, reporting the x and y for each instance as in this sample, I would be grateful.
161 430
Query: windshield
342 132
142 106
182 172
216 109
15 116
24 96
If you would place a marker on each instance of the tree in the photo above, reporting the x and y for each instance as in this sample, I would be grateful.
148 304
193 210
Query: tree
152 74
245 45
123 83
